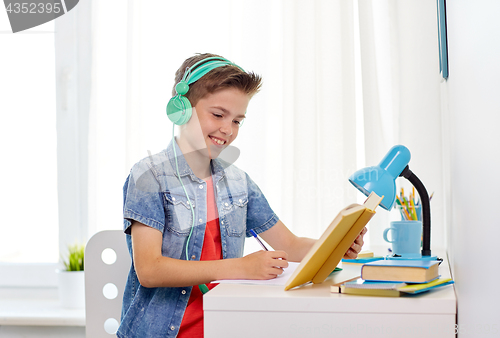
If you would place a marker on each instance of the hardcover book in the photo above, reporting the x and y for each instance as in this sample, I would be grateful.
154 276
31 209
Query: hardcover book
367 288
329 249
358 286
409 271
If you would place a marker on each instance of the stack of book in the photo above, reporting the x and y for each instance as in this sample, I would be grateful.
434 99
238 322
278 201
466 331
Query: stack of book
392 278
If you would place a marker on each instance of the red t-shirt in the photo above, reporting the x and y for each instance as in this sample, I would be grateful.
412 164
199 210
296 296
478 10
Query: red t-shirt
192 322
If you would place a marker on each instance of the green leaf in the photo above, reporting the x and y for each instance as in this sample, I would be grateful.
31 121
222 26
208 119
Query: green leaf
75 258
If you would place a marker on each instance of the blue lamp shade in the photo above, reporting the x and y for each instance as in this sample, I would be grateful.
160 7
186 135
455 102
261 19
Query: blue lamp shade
381 179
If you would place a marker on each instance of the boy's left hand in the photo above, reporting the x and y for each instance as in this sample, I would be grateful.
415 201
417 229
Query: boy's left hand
356 246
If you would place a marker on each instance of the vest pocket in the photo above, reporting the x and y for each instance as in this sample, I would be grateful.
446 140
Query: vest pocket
235 214
178 213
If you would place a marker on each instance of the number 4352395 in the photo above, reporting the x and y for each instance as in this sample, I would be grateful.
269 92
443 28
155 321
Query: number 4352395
33 8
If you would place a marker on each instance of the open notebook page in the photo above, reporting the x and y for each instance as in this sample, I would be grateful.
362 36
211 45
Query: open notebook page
280 280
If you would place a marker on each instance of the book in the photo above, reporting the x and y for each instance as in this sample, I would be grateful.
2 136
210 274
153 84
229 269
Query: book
367 288
335 288
371 292
418 288
410 271
361 260
362 287
329 249
365 254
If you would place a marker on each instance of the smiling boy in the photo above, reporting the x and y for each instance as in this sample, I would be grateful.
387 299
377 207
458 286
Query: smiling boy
186 212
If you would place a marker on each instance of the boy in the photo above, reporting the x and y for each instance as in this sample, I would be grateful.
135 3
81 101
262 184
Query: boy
186 213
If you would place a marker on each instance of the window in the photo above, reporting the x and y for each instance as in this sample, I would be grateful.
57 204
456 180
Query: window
28 141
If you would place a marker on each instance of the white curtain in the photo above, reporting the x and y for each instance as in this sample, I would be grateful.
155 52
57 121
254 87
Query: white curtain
300 147
401 97
301 139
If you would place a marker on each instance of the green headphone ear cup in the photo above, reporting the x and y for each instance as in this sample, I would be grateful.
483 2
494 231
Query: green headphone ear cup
179 110
182 88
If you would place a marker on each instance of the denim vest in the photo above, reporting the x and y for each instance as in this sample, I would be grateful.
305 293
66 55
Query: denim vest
154 196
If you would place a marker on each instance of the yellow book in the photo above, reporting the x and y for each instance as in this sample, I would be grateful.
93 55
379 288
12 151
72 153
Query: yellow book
386 289
370 292
417 288
335 288
365 254
329 249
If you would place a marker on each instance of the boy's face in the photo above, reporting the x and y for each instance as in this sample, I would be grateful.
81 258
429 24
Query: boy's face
219 115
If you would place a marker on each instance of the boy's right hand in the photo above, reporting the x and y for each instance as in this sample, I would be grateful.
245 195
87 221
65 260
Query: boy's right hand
264 264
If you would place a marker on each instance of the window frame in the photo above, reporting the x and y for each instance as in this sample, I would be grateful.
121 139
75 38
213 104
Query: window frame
73 55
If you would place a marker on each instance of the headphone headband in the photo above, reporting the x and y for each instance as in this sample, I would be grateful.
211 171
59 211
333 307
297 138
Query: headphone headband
179 107
188 69
202 67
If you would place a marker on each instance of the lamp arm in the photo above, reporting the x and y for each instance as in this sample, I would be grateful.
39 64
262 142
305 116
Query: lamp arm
426 208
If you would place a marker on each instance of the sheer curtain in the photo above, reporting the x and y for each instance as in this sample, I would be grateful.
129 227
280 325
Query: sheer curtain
299 140
321 61
401 97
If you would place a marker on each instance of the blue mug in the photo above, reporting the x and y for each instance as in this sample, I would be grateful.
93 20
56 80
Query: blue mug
406 237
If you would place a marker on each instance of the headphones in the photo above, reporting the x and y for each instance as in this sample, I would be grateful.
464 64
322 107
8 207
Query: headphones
179 111
179 108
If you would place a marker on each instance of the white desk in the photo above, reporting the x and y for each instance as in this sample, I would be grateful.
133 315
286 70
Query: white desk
313 311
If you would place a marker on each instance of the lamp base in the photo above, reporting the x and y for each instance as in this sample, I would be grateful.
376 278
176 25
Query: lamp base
411 256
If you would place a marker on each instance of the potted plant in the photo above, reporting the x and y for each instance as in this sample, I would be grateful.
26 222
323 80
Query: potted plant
72 279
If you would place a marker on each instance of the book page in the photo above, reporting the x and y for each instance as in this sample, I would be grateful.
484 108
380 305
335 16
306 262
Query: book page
280 280
373 201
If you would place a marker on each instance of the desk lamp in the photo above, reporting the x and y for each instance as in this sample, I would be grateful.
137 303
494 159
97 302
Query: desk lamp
381 179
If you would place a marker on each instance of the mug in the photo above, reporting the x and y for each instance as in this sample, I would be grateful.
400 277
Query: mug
406 237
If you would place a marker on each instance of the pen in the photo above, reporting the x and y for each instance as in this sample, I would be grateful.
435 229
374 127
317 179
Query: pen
413 211
407 205
404 209
400 208
257 238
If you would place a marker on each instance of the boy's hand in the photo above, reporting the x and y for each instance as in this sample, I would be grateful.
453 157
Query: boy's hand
264 264
356 246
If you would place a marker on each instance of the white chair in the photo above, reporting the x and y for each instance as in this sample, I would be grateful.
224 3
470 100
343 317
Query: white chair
107 262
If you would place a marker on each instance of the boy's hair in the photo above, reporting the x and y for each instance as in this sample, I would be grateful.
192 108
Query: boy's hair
217 79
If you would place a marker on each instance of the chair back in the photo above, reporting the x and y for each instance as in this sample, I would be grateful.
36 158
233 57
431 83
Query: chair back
107 263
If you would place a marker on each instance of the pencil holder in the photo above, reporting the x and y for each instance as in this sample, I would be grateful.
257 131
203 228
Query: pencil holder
411 213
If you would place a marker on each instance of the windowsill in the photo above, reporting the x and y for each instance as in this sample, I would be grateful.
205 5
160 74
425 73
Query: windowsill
36 307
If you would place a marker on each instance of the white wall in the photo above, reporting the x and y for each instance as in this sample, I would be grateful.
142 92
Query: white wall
419 124
471 118
401 99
